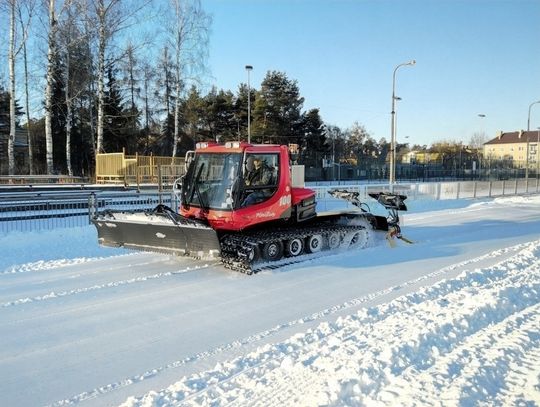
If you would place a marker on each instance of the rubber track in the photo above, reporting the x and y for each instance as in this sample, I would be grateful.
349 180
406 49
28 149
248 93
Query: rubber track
235 248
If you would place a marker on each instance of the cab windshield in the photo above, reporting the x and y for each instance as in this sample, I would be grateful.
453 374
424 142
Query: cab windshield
212 178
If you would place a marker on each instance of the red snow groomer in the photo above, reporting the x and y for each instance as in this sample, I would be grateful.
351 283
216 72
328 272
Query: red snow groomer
240 202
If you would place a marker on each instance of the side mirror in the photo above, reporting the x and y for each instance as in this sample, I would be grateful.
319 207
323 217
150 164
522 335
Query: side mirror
177 187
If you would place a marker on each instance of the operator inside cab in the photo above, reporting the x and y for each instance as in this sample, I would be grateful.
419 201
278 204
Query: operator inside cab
257 174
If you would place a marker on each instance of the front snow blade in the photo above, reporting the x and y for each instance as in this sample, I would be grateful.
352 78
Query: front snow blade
157 231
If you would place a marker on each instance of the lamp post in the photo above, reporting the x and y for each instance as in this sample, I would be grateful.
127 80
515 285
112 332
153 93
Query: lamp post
529 117
482 116
527 153
248 69
537 155
393 124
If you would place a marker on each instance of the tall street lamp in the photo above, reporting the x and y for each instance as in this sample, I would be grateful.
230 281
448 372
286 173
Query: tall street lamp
481 116
248 69
529 117
393 124
537 155
527 152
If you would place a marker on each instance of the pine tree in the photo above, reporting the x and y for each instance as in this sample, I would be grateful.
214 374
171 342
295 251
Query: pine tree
278 107
164 92
313 142
4 110
241 116
117 120
219 114
5 126
58 115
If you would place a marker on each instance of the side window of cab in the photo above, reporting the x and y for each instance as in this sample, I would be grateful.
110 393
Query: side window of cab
261 175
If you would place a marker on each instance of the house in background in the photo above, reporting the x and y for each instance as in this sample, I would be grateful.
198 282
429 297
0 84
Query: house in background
515 146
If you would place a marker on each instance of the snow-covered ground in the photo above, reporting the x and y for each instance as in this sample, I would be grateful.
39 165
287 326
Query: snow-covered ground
453 319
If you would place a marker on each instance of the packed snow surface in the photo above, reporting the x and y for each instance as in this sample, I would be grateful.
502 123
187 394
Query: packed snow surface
453 319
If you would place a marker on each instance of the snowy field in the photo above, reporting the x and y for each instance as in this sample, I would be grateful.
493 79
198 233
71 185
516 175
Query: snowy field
452 320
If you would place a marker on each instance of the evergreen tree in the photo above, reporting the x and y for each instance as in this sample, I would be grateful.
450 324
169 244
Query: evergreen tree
164 144
193 114
335 141
278 108
149 103
37 133
4 126
164 92
241 115
220 115
4 109
383 150
313 142
58 117
118 122
83 112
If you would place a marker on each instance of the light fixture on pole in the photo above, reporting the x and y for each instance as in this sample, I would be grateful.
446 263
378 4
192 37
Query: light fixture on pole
537 155
248 69
392 178
481 135
527 153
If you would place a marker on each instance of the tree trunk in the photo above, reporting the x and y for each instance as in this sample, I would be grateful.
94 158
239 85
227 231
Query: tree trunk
101 77
167 85
68 115
27 104
51 54
12 113
131 62
146 108
177 116
178 44
90 90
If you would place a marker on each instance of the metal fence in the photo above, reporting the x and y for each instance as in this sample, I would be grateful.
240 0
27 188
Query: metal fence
439 190
54 209
451 168
49 210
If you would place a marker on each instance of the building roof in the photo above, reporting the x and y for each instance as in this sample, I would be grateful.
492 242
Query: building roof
514 137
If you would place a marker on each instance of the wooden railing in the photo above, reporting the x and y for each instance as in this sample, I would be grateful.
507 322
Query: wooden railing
137 169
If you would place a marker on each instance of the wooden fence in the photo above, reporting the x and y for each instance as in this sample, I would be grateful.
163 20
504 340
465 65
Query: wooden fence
137 169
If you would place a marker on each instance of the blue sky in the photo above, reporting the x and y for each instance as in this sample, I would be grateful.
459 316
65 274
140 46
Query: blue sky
473 57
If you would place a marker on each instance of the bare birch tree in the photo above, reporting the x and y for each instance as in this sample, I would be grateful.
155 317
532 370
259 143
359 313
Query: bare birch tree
130 70
68 35
51 57
24 28
71 38
165 80
102 39
11 62
131 79
15 13
148 75
189 33
111 19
